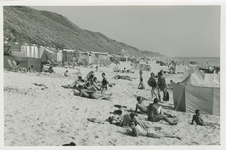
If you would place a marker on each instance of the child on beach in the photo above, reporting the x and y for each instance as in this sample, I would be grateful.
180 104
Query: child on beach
104 84
198 120
66 73
141 84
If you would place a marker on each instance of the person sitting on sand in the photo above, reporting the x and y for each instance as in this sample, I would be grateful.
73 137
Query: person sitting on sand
141 84
89 74
50 69
31 69
198 120
155 113
104 84
95 84
137 130
152 83
77 82
91 94
88 82
66 73
140 105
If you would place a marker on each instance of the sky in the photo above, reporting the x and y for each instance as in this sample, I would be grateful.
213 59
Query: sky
174 31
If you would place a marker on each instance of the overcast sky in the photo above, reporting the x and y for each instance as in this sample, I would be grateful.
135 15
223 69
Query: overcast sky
185 31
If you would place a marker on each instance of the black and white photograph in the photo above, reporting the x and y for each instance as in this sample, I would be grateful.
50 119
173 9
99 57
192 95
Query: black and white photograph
112 75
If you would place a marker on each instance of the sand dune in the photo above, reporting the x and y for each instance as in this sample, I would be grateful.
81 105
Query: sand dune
51 117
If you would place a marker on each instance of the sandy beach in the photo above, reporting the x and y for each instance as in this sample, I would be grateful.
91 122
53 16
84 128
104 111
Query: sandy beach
53 117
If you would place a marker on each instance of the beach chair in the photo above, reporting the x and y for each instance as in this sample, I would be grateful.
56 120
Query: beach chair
13 67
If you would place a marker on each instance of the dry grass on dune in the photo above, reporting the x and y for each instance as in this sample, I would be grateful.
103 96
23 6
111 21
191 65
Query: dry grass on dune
51 117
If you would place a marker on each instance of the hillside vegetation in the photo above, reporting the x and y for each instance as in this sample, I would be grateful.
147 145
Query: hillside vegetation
51 29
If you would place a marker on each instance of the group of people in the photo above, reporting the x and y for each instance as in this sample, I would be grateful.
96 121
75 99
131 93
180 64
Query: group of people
159 85
154 113
141 127
90 87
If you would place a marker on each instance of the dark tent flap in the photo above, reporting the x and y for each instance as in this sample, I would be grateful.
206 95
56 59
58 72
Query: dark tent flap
199 98
179 97
216 101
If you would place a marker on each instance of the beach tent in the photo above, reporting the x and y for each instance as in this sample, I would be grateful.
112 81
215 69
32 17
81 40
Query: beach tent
194 79
187 72
188 98
212 78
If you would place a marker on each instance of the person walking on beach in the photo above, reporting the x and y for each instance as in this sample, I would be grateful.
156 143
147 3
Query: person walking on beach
152 83
156 114
161 84
141 84
104 84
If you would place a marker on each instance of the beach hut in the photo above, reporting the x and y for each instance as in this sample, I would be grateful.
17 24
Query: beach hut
25 55
26 62
48 55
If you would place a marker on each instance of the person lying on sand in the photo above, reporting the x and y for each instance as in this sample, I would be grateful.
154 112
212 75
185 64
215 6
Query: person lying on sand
137 130
45 87
140 105
198 120
91 94
156 114
123 77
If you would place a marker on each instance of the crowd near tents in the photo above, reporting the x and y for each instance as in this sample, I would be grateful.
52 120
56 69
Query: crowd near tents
198 89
